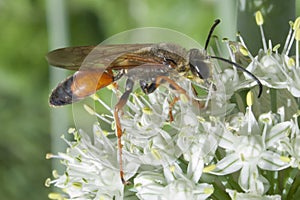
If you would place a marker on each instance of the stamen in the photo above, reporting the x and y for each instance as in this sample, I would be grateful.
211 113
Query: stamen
249 101
275 48
96 98
91 111
259 21
244 45
270 45
231 49
297 37
295 27
297 54
287 41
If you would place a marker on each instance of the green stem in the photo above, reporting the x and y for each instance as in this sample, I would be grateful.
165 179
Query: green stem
290 182
273 98
219 193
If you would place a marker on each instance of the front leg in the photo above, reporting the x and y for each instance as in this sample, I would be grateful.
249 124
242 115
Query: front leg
175 86
149 88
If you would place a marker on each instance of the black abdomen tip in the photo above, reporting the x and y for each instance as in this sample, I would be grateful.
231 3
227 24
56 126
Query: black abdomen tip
62 94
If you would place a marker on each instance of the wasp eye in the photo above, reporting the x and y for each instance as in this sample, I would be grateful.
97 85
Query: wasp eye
199 64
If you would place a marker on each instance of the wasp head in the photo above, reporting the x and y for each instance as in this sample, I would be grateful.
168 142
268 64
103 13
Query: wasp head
200 64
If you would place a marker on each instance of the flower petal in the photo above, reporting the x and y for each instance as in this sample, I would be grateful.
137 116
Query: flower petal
272 161
250 196
229 164
277 133
251 181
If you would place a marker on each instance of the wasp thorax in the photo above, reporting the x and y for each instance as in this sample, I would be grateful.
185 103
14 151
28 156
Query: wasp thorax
199 64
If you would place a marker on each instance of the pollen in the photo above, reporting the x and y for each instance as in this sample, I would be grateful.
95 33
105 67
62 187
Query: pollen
296 24
285 159
172 168
105 132
112 86
77 184
291 62
95 97
276 47
208 190
71 130
249 98
297 34
233 48
48 182
147 110
259 18
156 154
89 109
55 174
244 50
209 168
55 196
49 156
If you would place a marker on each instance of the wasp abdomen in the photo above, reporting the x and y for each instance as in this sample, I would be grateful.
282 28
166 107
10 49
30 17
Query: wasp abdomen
79 86
62 94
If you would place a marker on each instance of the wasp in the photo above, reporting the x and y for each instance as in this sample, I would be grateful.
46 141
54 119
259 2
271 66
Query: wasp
148 64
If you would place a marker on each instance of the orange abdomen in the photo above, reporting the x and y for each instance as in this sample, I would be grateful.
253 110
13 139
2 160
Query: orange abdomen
80 85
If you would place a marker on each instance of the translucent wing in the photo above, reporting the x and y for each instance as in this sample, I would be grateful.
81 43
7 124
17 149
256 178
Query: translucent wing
90 57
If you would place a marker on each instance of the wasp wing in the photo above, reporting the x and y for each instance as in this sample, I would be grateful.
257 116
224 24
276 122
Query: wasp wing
89 57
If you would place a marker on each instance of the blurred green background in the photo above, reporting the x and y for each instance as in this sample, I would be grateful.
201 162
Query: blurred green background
27 123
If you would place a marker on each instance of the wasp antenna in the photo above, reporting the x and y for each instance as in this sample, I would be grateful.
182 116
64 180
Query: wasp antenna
242 69
217 21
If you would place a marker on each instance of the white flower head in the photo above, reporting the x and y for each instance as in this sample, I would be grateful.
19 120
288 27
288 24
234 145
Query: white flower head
151 185
187 145
278 70
248 152
87 173
234 195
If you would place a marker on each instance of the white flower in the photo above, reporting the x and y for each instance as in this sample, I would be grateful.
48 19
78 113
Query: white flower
292 144
153 185
91 169
252 147
252 196
277 70
150 143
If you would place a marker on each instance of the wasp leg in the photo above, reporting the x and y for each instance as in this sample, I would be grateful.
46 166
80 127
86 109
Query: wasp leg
173 85
118 107
171 105
209 88
148 88
200 104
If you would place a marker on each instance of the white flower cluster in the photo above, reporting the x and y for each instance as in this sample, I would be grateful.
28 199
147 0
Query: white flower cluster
212 152
164 160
